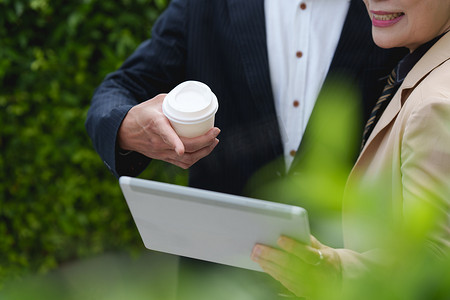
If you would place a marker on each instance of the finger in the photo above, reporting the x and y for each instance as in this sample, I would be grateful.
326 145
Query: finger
200 142
178 163
205 151
262 252
293 281
188 159
315 243
271 268
306 253
169 136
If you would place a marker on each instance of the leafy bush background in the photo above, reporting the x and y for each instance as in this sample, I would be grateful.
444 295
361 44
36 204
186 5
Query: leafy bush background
58 202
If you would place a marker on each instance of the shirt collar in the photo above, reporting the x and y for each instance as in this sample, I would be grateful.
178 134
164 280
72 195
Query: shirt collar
408 62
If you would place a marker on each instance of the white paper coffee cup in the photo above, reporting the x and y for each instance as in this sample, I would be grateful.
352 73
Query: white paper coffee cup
190 108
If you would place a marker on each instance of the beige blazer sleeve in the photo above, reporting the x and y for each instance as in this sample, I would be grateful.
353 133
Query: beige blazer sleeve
425 168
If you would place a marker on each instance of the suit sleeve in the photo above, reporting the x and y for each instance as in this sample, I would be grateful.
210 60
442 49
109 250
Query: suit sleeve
425 170
155 67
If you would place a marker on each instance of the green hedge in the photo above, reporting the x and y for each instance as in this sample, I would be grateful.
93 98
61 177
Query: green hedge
58 201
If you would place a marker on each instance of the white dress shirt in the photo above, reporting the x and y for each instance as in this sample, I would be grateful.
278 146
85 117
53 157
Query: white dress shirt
302 36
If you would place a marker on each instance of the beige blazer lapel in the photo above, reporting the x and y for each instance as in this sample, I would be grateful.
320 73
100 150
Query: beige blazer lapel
436 56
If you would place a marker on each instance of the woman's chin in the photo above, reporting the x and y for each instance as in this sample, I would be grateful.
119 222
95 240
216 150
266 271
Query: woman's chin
386 42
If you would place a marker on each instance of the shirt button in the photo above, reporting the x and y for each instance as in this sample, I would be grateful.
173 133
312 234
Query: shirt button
292 153
299 54
303 6
296 103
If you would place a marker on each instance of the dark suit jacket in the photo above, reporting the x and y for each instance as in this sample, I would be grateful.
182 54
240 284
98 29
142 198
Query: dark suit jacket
223 44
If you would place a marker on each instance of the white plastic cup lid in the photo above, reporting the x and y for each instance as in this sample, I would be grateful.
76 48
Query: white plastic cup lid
190 102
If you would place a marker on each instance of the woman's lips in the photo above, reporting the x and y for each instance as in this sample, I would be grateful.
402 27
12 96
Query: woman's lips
385 19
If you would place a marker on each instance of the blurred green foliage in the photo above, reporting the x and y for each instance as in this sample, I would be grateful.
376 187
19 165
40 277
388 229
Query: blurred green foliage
59 205
413 268
112 276
58 202
317 183
88 216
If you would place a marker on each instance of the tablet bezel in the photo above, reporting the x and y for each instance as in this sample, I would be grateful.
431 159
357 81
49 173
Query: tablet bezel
207 225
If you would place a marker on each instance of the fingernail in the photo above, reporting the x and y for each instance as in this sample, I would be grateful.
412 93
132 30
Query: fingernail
281 241
256 253
214 144
180 152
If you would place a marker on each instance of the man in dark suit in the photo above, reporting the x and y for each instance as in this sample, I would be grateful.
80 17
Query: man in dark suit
223 44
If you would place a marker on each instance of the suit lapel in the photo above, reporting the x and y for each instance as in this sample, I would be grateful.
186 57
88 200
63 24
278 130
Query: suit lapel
248 24
436 56
355 36
389 114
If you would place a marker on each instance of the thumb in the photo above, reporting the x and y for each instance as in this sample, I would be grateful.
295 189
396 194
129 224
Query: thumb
170 137
315 243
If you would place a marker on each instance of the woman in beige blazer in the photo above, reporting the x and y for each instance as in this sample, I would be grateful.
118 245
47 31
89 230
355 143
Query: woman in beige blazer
404 166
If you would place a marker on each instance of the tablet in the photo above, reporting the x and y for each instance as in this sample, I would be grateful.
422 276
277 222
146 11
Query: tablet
206 225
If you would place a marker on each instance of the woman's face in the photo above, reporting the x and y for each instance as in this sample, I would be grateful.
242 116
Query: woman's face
407 23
